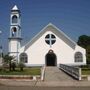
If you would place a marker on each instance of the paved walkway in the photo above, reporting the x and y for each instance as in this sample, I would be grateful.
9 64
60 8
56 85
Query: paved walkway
55 74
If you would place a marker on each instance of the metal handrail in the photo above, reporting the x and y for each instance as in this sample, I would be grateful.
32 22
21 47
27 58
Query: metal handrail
71 70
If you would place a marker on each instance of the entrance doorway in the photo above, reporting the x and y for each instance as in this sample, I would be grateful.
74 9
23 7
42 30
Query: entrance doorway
51 59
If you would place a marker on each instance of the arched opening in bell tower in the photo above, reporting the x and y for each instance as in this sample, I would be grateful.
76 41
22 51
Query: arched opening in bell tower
14 19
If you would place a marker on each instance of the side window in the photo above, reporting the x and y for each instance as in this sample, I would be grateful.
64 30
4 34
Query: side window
78 57
23 58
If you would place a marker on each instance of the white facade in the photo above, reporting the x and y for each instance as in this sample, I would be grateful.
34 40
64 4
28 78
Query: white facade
51 47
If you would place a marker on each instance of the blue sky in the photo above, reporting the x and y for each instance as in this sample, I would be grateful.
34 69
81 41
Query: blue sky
71 16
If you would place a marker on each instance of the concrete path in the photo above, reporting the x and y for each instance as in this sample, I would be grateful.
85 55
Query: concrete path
55 74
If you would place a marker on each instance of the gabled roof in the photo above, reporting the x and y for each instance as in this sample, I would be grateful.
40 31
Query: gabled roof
15 8
56 31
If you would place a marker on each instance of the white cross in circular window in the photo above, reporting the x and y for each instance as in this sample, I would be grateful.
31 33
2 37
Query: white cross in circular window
50 39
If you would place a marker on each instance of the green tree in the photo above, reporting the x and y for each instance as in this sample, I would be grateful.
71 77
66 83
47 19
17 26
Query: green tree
84 41
13 66
88 54
7 59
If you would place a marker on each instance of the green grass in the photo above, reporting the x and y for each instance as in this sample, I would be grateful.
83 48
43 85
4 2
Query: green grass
26 71
85 71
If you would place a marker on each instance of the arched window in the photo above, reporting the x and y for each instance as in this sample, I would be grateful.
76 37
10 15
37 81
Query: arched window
14 19
23 57
78 57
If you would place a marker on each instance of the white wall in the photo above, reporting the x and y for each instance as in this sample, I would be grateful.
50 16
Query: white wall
14 46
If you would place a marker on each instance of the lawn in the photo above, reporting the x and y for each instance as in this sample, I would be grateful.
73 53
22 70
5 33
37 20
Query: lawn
85 71
26 71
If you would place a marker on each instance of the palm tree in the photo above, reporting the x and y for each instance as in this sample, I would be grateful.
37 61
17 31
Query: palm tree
7 59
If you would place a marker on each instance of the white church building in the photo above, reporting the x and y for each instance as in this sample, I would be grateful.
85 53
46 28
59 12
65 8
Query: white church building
50 47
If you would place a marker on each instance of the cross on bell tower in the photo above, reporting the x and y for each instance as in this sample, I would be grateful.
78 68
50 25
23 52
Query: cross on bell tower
15 31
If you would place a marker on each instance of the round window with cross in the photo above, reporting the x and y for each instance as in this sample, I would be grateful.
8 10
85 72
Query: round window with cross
50 39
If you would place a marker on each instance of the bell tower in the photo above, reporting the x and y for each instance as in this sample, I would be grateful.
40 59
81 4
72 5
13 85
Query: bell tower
15 32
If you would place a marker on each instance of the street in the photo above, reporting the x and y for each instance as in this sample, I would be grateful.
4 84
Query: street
41 88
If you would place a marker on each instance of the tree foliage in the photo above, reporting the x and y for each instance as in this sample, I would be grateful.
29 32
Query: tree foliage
88 54
7 59
84 41
13 65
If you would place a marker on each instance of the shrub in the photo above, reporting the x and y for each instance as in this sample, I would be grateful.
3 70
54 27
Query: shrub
21 66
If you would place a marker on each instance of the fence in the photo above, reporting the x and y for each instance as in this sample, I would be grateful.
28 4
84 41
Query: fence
42 73
71 70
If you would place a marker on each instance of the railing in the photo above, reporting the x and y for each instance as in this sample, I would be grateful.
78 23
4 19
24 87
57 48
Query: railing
71 70
42 73
1 61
